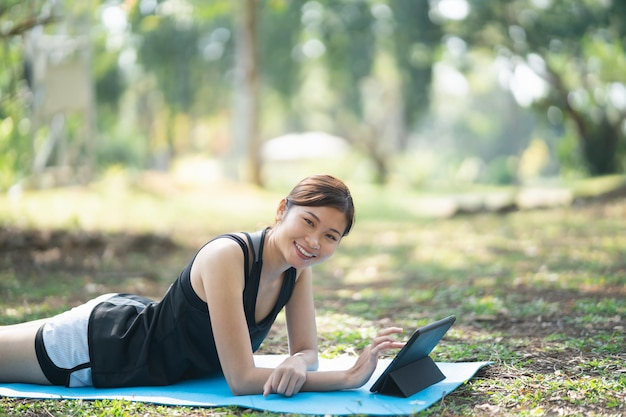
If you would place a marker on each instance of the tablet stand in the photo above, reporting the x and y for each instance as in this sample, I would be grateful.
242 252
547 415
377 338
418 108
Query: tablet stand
412 378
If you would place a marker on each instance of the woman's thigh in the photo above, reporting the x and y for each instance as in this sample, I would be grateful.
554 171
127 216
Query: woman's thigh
18 360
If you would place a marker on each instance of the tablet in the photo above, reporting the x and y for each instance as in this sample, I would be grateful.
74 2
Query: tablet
419 346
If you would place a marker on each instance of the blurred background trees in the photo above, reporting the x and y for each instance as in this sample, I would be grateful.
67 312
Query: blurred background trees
18 18
576 48
420 91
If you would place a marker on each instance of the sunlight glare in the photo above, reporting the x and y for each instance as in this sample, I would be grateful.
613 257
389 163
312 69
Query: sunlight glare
617 95
114 19
313 48
450 80
526 86
453 9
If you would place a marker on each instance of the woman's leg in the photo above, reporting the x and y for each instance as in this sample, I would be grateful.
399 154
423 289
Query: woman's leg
18 360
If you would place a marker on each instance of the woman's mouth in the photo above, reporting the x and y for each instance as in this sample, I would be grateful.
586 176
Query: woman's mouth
305 254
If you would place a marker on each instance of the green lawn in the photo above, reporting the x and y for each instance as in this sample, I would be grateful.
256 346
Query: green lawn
541 293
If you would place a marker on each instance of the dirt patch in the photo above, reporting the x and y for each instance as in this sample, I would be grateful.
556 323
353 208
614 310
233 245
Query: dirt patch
25 251
569 320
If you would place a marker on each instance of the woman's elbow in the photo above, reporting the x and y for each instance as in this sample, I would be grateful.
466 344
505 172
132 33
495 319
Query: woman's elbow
237 391
237 388
241 385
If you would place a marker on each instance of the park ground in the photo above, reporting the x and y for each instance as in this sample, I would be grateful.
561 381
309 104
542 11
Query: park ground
541 293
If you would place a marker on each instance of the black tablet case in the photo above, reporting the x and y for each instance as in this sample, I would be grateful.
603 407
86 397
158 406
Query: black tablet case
420 373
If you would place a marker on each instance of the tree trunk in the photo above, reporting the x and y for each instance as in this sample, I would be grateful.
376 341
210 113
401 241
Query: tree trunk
598 141
599 148
246 135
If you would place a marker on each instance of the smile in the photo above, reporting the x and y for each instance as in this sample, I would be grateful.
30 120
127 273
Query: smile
304 252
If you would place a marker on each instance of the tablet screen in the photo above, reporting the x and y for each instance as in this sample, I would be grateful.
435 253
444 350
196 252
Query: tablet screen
421 343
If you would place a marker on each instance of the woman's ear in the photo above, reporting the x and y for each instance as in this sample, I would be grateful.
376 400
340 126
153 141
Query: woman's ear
281 210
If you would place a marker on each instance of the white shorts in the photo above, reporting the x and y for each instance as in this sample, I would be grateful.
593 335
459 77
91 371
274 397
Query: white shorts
62 346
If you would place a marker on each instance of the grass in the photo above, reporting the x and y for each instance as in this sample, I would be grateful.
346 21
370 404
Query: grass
540 293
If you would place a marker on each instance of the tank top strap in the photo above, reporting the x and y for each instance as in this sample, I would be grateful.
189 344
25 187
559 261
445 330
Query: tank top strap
256 242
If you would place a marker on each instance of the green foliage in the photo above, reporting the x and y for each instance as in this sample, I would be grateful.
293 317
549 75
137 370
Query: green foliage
362 49
115 148
569 157
279 36
109 79
14 146
346 29
501 171
577 48
416 42
187 53
175 77
17 16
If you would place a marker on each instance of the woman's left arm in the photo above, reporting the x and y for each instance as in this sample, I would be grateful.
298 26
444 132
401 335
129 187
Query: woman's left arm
294 374
290 375
300 317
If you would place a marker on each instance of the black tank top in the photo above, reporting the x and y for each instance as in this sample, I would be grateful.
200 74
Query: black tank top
150 343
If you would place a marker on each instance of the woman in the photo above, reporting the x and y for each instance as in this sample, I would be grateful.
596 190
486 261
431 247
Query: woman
204 325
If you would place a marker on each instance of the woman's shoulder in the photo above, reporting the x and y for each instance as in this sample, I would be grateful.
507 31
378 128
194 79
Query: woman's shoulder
226 245
221 259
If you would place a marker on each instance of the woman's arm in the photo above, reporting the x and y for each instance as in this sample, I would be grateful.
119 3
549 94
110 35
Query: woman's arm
358 374
291 374
217 276
300 317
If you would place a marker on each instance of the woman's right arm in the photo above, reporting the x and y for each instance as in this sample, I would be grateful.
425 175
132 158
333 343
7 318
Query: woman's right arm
217 276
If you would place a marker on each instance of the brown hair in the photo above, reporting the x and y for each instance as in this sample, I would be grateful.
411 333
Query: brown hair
323 191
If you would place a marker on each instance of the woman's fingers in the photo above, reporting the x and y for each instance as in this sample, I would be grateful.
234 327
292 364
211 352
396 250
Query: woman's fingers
283 383
267 387
384 340
390 330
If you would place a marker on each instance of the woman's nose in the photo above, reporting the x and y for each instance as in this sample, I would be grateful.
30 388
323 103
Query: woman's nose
313 242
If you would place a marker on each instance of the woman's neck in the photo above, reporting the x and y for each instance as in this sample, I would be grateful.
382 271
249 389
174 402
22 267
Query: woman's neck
274 263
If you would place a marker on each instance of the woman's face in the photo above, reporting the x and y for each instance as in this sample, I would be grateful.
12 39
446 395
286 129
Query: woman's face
310 235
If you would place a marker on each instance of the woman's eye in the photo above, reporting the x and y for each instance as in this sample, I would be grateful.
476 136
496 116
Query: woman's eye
309 222
331 237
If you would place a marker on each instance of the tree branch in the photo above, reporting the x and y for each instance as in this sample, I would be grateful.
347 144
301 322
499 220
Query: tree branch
27 25
554 79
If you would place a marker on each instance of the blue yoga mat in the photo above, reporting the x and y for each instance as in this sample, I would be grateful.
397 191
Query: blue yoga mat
214 392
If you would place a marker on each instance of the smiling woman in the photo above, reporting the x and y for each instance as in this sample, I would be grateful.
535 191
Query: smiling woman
214 316
324 191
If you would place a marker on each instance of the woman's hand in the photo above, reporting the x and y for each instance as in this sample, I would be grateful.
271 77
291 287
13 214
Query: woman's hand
287 379
366 363
290 377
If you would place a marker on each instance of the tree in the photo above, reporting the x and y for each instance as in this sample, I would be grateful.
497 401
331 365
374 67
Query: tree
18 17
278 35
379 57
22 16
247 117
416 43
184 52
577 48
